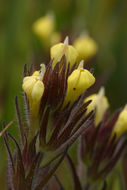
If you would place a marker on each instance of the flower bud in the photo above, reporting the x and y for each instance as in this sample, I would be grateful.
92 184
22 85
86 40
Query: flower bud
121 124
44 27
58 50
34 88
86 47
100 103
79 80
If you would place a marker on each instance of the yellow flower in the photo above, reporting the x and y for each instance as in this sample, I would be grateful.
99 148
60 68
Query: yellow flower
79 80
34 88
58 50
100 103
86 47
121 124
44 28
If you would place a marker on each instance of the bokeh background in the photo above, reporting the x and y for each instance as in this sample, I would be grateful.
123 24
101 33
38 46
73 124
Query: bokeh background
104 20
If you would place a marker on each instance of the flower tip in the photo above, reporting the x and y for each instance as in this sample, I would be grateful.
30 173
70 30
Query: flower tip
37 91
101 92
66 41
125 107
81 64
42 71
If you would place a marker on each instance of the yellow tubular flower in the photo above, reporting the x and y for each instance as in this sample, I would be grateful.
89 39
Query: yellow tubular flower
79 80
121 124
34 88
100 103
86 47
44 27
58 50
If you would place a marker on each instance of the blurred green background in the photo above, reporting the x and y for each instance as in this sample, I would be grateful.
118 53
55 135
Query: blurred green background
105 21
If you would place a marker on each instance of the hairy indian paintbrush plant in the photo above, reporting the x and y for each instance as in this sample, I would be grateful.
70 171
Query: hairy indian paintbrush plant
55 111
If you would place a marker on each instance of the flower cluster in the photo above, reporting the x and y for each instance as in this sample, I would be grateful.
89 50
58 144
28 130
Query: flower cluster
104 142
54 97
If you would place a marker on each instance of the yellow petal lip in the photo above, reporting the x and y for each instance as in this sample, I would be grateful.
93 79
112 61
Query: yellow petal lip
28 84
37 91
79 80
121 124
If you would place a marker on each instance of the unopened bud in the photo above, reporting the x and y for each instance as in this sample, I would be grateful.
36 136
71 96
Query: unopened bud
86 47
44 27
121 124
79 80
100 103
34 88
58 50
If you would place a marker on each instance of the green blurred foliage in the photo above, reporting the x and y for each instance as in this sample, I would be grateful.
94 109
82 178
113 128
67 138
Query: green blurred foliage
105 20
